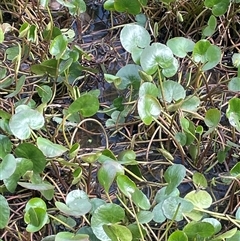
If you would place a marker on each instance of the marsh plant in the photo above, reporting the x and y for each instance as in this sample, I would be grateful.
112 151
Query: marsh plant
167 165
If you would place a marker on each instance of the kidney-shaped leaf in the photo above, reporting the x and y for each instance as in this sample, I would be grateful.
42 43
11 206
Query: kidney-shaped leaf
207 54
68 236
178 236
234 84
175 207
148 107
106 214
173 91
126 185
31 152
180 46
132 7
86 104
129 76
155 56
174 176
134 37
218 7
200 199
24 120
140 199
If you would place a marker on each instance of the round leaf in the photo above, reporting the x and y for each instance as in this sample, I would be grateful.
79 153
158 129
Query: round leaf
178 236
132 7
176 207
216 224
234 84
154 56
118 232
173 91
106 214
67 236
140 199
24 120
134 37
148 107
31 152
233 112
58 46
144 216
129 76
174 176
86 104
200 199
180 46
199 179
202 229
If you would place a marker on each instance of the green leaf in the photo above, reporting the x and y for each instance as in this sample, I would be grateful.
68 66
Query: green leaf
50 149
180 46
173 91
134 38
87 230
227 234
174 176
175 207
157 56
132 7
5 212
148 89
191 103
178 236
44 186
200 199
31 152
7 166
216 224
238 214
236 60
117 232
129 75
140 199
144 216
127 157
58 46
86 104
109 5
5 146
19 86
22 166
207 54
148 108
235 237
126 185
235 171
45 92
36 216
49 66
67 236
158 215
1 35
218 7
233 113
77 204
162 195
24 121
211 28
202 229
109 213
212 118
234 84
199 180
107 173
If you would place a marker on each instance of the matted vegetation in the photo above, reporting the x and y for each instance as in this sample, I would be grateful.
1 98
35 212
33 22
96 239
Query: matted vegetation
119 120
